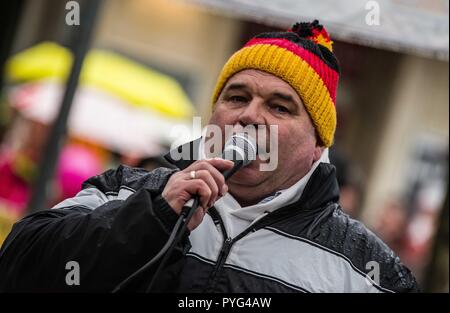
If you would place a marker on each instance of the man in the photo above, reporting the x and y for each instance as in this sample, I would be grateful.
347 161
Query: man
260 231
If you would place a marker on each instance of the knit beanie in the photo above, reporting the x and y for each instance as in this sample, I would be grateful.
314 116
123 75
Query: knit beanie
303 57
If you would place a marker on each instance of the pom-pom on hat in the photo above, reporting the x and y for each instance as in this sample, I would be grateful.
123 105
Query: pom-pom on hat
303 57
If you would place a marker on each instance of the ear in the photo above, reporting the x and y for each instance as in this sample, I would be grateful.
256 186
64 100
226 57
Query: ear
317 152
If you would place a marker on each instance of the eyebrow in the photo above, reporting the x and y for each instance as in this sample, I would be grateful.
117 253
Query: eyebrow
236 86
284 97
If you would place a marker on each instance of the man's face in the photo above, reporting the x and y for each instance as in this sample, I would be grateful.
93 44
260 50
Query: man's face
253 97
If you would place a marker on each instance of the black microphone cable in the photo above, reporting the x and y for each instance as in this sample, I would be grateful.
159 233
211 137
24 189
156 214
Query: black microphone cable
179 228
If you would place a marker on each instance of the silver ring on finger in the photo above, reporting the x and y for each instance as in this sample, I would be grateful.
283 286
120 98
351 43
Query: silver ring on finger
192 174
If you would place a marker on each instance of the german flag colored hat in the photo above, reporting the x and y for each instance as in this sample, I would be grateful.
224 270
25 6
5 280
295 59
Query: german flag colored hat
303 57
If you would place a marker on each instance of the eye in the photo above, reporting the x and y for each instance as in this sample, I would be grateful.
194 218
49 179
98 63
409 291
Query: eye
281 109
237 99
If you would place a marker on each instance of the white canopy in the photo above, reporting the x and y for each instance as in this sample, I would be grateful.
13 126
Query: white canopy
101 118
417 27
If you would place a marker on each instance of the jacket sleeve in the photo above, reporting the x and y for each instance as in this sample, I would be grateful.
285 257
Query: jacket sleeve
108 243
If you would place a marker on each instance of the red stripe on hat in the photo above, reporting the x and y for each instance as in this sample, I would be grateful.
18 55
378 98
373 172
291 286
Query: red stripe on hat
329 76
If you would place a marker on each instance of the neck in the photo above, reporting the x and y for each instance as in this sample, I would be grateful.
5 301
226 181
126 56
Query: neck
251 195
246 201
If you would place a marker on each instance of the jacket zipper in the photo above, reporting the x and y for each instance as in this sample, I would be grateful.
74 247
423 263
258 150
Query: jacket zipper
226 247
228 243
223 254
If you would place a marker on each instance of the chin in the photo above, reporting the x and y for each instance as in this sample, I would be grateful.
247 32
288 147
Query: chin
248 176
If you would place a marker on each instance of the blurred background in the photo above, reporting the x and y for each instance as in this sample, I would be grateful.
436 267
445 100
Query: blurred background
152 64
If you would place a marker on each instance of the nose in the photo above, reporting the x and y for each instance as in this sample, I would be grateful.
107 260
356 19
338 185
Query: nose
252 113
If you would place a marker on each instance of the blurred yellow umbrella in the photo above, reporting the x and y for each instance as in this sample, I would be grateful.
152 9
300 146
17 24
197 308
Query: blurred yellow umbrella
126 79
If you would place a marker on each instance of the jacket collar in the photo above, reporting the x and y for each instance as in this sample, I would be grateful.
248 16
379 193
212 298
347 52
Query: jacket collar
322 187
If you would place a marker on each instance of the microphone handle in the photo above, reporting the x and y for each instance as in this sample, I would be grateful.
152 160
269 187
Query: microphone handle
191 203
237 166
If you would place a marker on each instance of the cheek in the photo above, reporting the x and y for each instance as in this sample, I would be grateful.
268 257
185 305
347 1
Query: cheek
295 143
289 138
221 118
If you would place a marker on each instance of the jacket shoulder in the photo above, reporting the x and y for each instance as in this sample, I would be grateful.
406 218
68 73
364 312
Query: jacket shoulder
365 250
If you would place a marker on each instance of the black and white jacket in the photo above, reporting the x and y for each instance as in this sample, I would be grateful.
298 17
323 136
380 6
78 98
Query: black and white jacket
119 221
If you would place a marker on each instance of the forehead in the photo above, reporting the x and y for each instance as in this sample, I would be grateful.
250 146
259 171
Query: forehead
260 81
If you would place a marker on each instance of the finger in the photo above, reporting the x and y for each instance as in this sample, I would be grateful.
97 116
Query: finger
207 176
220 164
215 171
199 187
217 163
197 218
218 178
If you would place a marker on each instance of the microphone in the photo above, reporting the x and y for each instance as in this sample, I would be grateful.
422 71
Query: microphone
240 148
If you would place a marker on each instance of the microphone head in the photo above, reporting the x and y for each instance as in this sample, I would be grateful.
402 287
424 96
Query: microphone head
240 147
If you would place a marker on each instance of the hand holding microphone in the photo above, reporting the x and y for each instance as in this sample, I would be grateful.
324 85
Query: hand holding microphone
206 178
202 178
